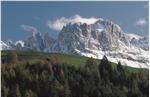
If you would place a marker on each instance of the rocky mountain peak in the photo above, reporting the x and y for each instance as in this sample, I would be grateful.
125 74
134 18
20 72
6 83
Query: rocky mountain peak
103 37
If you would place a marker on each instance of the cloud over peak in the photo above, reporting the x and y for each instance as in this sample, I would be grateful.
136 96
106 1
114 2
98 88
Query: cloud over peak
60 22
29 28
141 22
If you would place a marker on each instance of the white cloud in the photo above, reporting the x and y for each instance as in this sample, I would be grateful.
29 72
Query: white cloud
59 23
29 28
141 22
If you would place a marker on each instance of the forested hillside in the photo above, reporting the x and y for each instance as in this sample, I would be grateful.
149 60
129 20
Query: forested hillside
49 76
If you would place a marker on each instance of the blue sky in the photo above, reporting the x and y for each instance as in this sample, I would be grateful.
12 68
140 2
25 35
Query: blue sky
20 18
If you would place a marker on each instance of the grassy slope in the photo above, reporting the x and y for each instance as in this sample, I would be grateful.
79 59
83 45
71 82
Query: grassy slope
75 60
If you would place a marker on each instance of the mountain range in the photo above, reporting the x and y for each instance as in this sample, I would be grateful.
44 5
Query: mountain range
103 37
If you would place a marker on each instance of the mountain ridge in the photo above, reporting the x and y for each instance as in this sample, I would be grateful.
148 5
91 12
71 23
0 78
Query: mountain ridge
94 40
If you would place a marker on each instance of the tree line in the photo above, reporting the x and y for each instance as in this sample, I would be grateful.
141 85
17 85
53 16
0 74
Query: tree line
50 78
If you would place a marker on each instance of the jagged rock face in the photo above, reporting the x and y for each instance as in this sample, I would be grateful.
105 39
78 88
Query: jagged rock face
38 42
19 45
103 35
47 40
141 43
35 42
69 39
112 33
11 45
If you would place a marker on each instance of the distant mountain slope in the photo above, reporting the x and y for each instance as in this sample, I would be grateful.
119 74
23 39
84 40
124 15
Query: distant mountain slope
101 38
4 46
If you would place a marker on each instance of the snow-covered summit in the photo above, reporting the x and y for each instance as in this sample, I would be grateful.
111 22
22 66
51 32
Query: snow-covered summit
102 38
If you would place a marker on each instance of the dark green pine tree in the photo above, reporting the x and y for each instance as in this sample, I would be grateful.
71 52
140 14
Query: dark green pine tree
120 67
105 69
